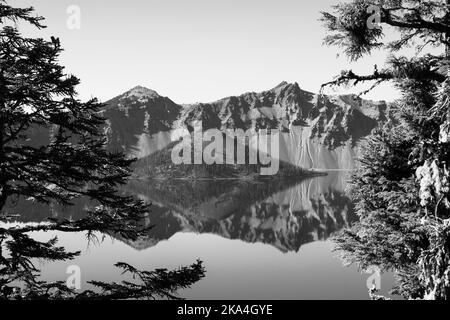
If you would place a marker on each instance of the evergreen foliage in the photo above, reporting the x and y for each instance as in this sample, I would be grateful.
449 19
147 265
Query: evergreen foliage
401 188
36 95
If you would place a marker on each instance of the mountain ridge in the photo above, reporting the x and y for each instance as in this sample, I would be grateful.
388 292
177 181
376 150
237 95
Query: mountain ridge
318 131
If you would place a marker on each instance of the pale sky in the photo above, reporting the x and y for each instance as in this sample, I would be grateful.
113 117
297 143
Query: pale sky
197 50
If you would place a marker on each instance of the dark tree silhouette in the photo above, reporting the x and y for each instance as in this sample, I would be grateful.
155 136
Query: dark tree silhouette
402 187
37 99
35 94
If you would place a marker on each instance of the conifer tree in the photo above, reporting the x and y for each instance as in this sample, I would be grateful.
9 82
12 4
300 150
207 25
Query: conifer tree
401 188
36 96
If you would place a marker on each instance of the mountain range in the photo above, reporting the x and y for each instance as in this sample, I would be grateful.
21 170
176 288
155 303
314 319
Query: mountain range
316 131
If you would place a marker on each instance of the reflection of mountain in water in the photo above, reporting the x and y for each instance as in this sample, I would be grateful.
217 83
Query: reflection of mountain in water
285 214
282 213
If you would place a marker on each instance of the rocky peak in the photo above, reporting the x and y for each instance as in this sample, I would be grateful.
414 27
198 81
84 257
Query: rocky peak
140 93
285 86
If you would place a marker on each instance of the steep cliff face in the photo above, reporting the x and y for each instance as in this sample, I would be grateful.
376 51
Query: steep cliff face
276 108
320 132
139 122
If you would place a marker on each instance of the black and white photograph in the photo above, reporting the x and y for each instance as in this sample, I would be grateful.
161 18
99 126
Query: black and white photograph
225 151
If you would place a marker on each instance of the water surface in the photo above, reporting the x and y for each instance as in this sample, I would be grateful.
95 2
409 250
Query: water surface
265 240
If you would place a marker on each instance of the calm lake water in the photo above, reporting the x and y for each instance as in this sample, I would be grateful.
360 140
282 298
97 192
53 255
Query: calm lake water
267 240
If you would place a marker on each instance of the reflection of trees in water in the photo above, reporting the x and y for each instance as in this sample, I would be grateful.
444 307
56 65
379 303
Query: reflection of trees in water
282 213
19 254
191 196
263 211
22 210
